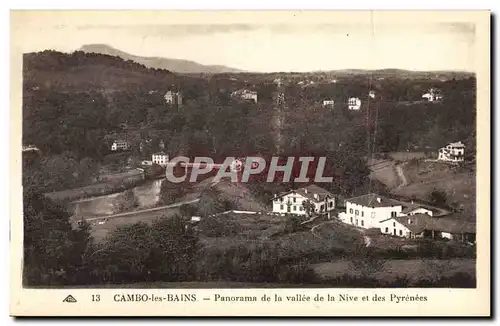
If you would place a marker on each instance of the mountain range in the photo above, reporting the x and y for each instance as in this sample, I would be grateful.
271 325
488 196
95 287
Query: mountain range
174 65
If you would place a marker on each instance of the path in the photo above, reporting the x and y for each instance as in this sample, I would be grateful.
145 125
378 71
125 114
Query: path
145 210
401 176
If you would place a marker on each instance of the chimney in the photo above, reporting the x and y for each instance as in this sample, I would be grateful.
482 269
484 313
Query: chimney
275 195
379 200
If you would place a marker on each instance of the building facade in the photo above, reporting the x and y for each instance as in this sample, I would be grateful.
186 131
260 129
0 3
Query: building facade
354 103
434 95
160 158
245 95
292 202
120 145
330 103
369 210
453 152
173 98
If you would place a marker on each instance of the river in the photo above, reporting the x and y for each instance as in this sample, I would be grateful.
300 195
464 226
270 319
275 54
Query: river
146 194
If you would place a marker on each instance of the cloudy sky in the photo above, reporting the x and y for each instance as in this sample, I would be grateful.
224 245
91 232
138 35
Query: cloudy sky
272 47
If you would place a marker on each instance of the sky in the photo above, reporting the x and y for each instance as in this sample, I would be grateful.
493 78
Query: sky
271 47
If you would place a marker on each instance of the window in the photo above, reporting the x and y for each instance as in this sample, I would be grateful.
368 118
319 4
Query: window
356 221
351 220
357 212
294 208
350 210
400 232
331 204
386 230
393 214
281 199
362 213
373 214
393 223
362 223
281 207
294 199
321 208
301 208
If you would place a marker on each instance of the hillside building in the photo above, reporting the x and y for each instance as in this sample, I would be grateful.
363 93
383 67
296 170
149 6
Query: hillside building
453 152
354 103
434 95
120 145
160 158
245 95
405 219
330 103
173 98
291 202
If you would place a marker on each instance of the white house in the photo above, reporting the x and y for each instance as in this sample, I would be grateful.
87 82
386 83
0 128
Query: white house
368 210
245 95
173 98
120 145
160 158
425 226
354 103
330 103
453 152
434 95
291 202
371 94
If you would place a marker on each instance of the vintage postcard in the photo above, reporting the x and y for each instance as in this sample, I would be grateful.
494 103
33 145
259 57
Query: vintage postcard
258 163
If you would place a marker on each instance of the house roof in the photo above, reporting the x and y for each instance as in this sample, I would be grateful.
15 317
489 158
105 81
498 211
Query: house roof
457 144
452 224
370 200
160 153
435 210
309 192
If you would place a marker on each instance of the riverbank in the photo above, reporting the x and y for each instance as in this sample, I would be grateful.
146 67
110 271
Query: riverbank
95 190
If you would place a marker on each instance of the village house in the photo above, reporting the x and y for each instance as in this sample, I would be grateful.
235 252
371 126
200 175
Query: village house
406 219
330 103
453 152
291 202
354 103
245 95
160 158
434 95
120 145
371 94
426 226
173 98
367 211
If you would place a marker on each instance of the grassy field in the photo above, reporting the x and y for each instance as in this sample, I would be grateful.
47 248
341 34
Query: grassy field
99 232
412 269
459 184
253 230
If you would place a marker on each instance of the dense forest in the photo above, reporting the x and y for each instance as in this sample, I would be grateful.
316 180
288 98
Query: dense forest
73 104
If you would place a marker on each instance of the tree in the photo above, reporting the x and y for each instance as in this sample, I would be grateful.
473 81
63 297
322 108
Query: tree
53 250
172 192
308 207
437 197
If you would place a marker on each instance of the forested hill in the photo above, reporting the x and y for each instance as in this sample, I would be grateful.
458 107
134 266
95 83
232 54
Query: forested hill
80 71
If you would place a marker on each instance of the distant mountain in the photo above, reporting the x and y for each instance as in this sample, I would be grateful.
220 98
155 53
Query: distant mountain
81 72
174 65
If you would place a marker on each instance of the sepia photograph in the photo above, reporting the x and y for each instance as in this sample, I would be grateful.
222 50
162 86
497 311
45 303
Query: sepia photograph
245 153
